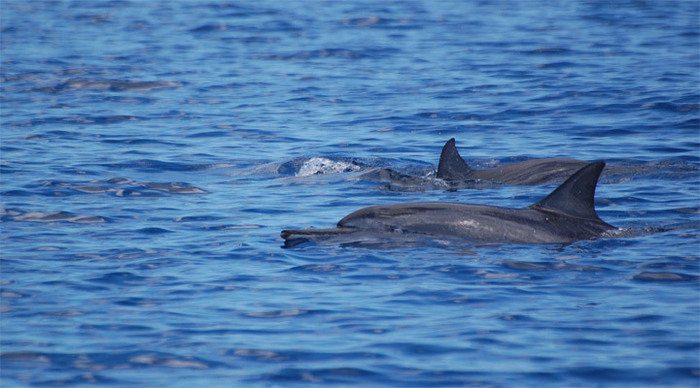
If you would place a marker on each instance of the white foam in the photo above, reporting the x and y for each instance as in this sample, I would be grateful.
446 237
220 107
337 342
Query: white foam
318 165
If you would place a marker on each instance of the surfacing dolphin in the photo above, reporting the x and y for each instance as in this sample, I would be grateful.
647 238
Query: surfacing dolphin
453 168
566 215
454 173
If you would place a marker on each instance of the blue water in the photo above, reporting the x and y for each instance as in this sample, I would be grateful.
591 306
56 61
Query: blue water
152 151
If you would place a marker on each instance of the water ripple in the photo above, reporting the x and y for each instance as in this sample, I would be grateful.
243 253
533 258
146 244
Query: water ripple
665 277
108 85
60 216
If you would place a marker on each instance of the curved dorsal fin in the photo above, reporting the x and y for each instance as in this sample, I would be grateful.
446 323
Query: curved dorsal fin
575 197
452 167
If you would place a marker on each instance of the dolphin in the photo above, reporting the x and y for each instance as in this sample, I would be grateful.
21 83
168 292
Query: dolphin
565 215
452 168
454 173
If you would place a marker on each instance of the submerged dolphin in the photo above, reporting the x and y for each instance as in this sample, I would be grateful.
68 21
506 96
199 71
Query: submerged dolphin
453 168
565 215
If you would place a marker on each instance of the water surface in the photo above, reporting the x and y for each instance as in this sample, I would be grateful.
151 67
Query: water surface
152 151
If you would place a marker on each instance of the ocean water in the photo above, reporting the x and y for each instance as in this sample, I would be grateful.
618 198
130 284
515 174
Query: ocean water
151 152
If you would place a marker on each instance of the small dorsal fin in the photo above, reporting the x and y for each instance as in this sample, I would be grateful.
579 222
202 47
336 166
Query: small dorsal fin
575 197
452 167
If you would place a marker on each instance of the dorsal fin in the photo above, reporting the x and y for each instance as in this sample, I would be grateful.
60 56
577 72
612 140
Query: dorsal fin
452 167
575 197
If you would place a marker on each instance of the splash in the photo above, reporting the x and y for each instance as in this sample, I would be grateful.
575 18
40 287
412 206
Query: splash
316 166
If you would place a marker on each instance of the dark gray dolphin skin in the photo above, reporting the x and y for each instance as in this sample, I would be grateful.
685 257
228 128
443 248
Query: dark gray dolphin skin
453 168
564 216
454 173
